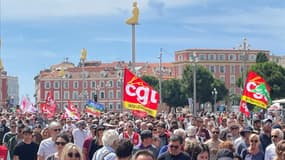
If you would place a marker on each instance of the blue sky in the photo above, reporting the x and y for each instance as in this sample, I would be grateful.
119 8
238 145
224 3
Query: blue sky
38 33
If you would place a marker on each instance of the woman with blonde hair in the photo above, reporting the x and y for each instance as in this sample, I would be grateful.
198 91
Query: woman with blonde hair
71 151
253 152
280 150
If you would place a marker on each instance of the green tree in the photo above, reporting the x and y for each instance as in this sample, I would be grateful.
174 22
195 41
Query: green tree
152 81
274 75
204 80
172 93
221 89
261 57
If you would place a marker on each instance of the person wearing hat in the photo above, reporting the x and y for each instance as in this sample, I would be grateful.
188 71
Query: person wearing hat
146 143
243 142
80 133
256 125
26 146
265 135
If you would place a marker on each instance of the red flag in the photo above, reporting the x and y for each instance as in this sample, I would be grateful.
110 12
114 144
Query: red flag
71 107
256 91
138 95
71 111
49 107
243 108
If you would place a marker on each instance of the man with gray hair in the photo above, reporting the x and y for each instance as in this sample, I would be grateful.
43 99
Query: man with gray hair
110 142
47 146
276 136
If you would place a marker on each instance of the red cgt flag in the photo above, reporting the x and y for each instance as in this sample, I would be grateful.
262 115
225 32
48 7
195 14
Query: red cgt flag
49 107
256 91
243 108
138 95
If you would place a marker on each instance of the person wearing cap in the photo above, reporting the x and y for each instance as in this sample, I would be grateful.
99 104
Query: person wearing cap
80 133
256 125
13 141
243 142
276 136
265 135
146 143
27 149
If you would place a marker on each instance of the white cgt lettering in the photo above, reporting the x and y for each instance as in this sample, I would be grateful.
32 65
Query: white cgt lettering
255 95
142 94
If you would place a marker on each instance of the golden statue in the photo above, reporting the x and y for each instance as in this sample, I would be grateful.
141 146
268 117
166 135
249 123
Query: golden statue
1 65
61 72
83 54
135 18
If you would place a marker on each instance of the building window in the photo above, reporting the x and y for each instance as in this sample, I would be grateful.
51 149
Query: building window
180 58
75 95
232 79
222 69
118 94
241 69
111 95
232 71
56 84
212 69
211 57
221 57
202 57
102 95
111 106
56 95
66 95
65 84
222 78
47 85
93 84
252 57
102 84
75 84
93 93
85 84
118 106
110 83
232 57
119 83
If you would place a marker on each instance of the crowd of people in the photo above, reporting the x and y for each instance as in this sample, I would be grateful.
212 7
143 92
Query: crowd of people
121 136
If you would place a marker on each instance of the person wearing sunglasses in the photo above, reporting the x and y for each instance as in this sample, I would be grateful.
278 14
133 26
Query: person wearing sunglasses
213 142
71 151
253 152
60 142
47 146
174 150
276 136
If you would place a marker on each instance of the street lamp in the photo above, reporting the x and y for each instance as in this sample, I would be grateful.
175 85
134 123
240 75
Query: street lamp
194 59
244 47
214 93
82 60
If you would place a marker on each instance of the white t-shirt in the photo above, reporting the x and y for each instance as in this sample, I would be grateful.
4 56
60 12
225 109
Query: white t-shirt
270 152
79 136
46 148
